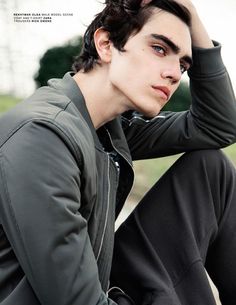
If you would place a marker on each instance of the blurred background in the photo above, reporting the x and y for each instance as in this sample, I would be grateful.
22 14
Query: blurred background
33 52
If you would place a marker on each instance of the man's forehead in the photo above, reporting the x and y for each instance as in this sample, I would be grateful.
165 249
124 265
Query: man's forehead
169 24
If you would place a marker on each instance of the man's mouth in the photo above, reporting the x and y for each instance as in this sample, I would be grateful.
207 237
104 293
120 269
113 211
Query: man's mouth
163 91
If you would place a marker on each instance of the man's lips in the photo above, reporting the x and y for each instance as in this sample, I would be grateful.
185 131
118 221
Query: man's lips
164 91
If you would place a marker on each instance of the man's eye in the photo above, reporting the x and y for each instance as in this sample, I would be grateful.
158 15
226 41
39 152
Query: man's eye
183 68
159 49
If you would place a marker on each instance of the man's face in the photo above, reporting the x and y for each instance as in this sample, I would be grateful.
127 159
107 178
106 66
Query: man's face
149 72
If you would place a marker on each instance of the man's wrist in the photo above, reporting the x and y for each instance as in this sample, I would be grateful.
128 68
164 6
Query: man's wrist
199 35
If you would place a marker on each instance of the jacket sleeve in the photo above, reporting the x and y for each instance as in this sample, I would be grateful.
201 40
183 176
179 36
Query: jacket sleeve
40 205
210 122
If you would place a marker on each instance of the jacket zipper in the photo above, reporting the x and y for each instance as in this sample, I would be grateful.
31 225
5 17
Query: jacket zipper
137 117
119 153
107 210
109 186
122 157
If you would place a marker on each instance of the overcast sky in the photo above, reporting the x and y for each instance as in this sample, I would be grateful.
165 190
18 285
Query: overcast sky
22 44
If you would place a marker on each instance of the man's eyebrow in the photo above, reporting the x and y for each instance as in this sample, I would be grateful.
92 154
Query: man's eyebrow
173 47
166 40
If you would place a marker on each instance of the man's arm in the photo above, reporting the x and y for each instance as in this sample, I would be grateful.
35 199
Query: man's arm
209 124
40 203
211 120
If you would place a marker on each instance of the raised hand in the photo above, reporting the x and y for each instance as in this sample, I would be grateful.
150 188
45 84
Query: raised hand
200 37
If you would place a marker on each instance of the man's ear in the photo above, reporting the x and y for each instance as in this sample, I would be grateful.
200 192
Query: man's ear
103 45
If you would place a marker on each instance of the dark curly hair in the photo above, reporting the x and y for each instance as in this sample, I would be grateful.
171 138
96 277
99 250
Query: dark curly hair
121 19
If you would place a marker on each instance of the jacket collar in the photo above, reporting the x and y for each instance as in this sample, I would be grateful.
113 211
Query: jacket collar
70 88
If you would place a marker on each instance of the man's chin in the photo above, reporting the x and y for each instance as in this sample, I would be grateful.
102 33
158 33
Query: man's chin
151 114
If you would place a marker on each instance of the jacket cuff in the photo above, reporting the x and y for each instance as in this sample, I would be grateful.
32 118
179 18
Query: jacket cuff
206 61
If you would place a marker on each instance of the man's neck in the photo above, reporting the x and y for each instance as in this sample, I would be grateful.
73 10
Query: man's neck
104 102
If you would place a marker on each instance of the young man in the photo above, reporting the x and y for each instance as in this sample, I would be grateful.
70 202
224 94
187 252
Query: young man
66 170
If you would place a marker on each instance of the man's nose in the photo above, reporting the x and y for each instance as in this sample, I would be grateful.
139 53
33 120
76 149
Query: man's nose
172 72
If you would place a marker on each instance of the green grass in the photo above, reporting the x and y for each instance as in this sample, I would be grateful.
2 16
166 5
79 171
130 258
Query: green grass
7 102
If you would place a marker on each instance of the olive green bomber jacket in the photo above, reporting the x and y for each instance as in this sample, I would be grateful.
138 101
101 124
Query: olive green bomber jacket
60 191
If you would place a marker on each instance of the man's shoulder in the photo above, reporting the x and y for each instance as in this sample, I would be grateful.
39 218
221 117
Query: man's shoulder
48 107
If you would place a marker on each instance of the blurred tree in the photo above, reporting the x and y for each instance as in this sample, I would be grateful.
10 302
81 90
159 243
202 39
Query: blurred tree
180 100
57 61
